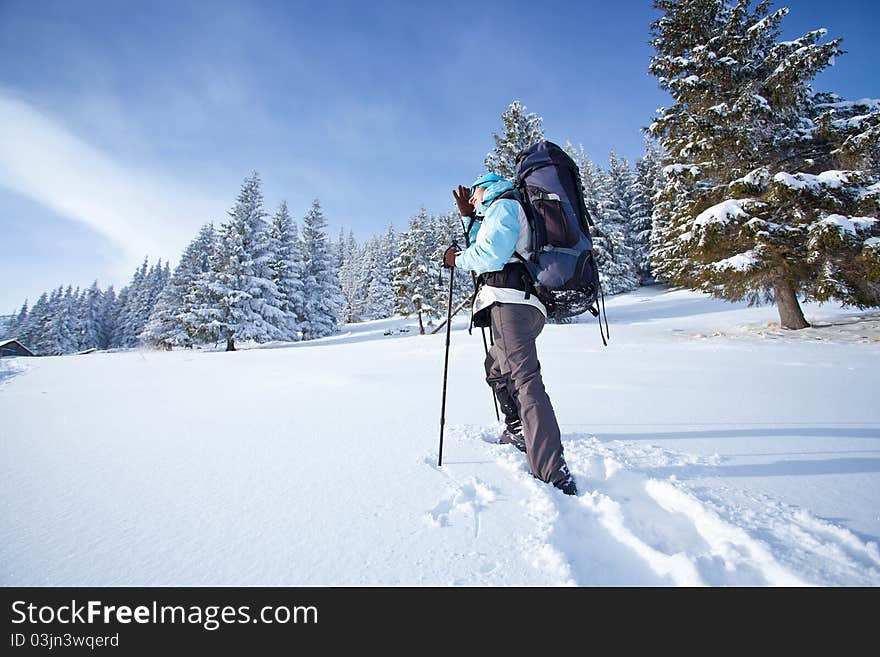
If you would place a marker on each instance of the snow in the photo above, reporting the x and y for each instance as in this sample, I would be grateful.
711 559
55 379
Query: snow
671 169
847 224
721 213
762 102
854 123
873 241
831 179
867 104
739 262
756 178
708 449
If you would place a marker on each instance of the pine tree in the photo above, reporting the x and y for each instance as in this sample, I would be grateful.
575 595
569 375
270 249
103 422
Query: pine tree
654 182
18 327
91 310
107 318
590 177
287 269
322 301
128 309
168 324
118 316
350 273
642 210
339 251
380 296
614 255
415 283
144 292
243 300
39 320
200 308
760 206
366 271
521 130
61 336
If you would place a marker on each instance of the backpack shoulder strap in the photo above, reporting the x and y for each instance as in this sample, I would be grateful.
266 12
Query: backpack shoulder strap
511 194
529 273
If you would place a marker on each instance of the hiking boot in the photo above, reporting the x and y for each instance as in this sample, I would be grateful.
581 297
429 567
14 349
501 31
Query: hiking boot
566 482
515 439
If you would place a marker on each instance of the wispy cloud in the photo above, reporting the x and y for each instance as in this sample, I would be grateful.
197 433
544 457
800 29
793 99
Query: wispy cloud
143 212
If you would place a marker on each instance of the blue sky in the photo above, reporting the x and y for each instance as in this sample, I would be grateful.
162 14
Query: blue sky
124 126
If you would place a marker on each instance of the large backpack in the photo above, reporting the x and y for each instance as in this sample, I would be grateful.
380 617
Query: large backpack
562 265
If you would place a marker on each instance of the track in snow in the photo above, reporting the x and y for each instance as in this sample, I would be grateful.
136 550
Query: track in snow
629 528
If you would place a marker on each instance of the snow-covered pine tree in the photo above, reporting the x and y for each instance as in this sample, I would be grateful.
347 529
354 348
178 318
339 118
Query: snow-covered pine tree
144 301
629 201
609 240
127 308
61 336
118 317
641 213
614 255
380 296
521 130
287 269
339 251
650 171
591 182
322 302
243 301
207 301
164 328
167 325
201 307
415 283
89 320
38 324
854 125
366 271
18 327
762 206
589 177
107 317
618 190
350 272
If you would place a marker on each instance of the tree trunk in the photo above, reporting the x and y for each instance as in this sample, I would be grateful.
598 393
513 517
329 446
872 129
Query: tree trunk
790 314
421 326
230 344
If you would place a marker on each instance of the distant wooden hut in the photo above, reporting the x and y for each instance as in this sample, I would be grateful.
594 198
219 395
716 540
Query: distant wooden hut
14 348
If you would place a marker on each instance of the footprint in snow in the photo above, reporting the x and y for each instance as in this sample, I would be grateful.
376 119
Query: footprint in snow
467 499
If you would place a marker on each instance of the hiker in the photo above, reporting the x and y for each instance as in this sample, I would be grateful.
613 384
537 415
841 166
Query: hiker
498 229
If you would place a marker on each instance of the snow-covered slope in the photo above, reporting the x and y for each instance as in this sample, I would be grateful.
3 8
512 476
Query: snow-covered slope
709 448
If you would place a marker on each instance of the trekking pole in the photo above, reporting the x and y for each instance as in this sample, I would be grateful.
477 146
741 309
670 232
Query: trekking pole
467 241
446 363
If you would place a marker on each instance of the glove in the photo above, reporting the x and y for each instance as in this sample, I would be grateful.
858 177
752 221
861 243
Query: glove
462 200
449 256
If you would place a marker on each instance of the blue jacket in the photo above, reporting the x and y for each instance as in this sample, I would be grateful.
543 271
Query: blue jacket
493 240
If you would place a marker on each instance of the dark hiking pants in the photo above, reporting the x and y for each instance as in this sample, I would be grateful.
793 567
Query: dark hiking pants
513 370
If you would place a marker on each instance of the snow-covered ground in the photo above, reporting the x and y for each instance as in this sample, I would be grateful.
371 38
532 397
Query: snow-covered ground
709 447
